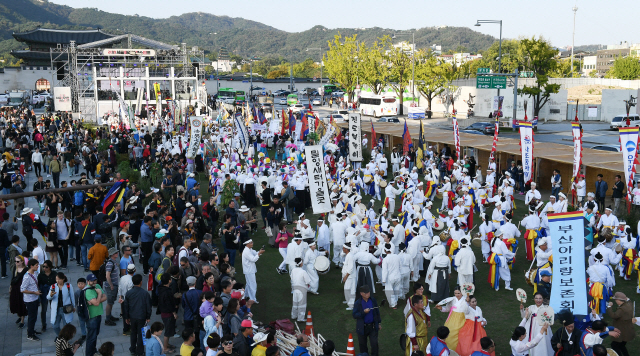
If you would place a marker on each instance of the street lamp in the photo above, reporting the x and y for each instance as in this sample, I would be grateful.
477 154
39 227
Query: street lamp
478 24
321 62
254 58
413 62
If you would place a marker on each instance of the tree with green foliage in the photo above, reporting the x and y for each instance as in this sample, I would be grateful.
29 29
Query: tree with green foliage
563 69
627 68
539 57
511 56
341 63
372 70
430 80
399 68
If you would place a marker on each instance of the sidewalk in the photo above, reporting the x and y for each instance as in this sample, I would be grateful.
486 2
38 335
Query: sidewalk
13 341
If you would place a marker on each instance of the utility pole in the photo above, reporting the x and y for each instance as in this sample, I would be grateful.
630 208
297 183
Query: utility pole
573 40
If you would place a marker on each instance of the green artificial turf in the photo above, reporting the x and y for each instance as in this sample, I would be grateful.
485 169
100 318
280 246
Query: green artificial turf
501 309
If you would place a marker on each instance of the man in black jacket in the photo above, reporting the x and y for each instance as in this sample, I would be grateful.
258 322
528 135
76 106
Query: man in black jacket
367 314
566 340
618 189
136 311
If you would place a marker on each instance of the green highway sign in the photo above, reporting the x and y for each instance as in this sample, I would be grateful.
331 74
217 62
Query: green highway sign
484 70
491 82
483 82
498 82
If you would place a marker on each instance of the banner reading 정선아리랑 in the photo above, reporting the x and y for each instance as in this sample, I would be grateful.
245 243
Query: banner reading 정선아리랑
568 287
355 139
196 136
526 149
318 188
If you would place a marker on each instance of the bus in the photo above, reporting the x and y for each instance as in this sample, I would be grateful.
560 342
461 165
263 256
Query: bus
329 88
292 99
227 95
378 105
239 96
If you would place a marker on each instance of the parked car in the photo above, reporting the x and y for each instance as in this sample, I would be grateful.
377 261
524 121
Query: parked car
486 128
388 119
283 101
336 118
621 120
610 148
337 93
472 132
341 112
296 107
316 101
266 106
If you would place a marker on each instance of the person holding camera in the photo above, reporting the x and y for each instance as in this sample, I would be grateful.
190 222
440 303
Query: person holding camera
249 259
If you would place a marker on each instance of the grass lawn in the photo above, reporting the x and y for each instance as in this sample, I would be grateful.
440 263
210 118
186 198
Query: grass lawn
501 309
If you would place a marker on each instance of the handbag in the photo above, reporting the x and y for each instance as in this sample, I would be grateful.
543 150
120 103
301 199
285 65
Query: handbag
268 231
68 308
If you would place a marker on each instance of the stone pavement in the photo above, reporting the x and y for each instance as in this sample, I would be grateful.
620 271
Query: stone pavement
13 341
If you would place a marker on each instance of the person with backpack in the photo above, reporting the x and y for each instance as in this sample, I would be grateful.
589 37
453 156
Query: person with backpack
191 302
97 256
55 167
168 310
94 297
85 232
111 270
81 306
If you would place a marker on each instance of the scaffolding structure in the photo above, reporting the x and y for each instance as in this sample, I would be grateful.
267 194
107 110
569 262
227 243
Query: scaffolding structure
86 65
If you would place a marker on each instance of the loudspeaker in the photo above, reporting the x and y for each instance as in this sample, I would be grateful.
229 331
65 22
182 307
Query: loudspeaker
196 65
60 70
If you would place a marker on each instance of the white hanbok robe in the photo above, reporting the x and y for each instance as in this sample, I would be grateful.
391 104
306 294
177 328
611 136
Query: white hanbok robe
543 348
309 265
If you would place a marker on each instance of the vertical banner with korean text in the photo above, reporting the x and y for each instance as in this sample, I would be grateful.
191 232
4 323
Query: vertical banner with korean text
568 288
456 136
526 149
241 132
629 149
196 135
355 139
318 188
577 147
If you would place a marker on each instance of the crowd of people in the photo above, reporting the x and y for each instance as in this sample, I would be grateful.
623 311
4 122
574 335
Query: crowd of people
155 249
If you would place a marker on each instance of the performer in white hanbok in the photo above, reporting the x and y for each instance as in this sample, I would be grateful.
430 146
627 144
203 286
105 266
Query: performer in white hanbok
519 344
499 248
465 262
309 266
300 281
529 322
391 277
486 234
323 236
438 274
348 275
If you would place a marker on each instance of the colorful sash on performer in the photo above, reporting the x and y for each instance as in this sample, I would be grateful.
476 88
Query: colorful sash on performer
531 239
600 296
348 208
403 218
386 203
628 256
494 270
429 189
451 196
636 266
453 246
512 245
537 278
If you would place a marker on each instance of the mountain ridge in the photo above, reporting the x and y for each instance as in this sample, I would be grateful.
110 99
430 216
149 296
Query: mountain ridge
240 36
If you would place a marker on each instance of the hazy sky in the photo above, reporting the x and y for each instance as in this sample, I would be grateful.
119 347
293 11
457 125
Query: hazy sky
597 22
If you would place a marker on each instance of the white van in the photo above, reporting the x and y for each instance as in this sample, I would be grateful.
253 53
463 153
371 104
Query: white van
621 121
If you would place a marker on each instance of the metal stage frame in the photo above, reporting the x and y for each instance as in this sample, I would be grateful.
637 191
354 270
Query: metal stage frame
85 66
